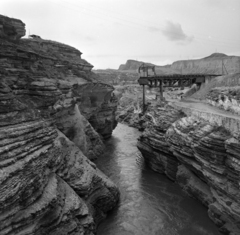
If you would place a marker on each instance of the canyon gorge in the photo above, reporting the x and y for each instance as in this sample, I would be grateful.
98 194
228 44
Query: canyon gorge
65 164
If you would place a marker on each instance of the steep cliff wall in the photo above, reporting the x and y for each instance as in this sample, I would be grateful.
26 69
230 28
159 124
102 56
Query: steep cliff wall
217 63
47 183
98 105
202 157
212 64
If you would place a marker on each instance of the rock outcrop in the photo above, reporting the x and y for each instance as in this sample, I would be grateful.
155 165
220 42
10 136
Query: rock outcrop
11 29
48 185
203 158
98 105
227 98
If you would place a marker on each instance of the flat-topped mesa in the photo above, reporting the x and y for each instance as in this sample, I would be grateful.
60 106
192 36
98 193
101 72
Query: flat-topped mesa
217 63
132 65
11 29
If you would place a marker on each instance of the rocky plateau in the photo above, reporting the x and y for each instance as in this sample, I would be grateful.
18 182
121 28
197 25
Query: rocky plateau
217 63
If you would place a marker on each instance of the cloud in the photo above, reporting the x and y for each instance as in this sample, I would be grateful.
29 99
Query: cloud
153 29
174 32
214 3
102 55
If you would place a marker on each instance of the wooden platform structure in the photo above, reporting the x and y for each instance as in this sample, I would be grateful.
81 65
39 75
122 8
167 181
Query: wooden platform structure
149 77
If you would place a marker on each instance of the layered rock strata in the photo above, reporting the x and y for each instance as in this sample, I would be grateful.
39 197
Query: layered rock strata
227 98
216 63
152 142
47 183
203 158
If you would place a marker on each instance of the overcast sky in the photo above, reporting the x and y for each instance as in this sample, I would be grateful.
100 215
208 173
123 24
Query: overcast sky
109 32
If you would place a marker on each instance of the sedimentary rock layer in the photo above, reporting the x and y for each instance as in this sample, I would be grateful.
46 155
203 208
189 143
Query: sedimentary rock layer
48 185
152 142
203 158
227 98
216 63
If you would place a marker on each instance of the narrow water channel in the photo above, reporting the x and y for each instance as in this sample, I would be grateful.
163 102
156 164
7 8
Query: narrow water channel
150 204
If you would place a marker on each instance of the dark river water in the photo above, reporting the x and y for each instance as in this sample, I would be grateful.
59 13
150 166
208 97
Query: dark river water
150 204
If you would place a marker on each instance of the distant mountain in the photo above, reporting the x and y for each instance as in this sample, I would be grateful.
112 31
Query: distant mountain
132 65
216 55
116 77
216 63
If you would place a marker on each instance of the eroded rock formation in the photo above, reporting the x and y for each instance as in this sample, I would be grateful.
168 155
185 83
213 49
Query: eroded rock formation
48 185
98 104
203 158
227 98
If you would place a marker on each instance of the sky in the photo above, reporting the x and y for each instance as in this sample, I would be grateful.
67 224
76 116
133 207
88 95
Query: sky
109 32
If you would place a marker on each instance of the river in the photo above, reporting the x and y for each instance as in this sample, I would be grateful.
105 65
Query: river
150 204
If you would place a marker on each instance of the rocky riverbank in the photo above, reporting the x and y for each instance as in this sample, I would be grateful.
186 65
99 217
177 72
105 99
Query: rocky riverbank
202 157
53 118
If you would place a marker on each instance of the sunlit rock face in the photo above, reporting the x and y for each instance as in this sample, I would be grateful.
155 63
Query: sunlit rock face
75 126
48 185
227 98
202 158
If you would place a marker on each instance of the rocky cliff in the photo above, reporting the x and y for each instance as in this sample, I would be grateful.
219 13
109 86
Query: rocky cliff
48 185
217 63
202 157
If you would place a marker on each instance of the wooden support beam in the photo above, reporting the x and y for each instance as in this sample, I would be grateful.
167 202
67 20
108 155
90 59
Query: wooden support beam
161 89
143 99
